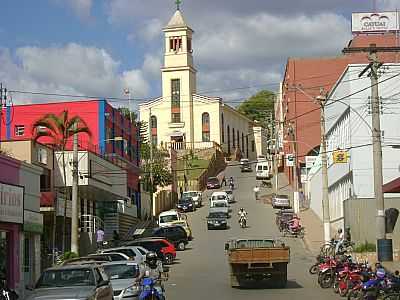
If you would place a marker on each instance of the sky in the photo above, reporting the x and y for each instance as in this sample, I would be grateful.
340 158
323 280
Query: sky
101 47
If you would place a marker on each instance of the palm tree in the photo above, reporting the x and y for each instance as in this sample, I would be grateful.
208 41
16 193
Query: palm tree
59 129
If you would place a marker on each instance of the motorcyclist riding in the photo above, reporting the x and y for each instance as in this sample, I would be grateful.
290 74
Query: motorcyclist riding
242 215
294 224
153 269
231 184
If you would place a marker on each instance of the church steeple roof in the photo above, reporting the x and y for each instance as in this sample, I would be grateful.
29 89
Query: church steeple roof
177 20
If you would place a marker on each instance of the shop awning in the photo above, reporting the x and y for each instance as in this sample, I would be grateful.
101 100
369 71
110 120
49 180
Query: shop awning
47 199
176 133
392 186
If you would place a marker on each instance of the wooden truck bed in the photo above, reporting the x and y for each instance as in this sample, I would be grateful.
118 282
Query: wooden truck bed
259 255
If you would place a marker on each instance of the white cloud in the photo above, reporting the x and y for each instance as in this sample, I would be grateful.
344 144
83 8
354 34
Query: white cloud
71 69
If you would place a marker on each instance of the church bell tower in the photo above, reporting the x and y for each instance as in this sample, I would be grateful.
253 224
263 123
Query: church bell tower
179 75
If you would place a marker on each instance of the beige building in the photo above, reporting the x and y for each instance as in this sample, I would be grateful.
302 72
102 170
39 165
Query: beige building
181 118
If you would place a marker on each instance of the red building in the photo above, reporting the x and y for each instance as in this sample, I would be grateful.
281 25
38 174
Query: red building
303 80
113 136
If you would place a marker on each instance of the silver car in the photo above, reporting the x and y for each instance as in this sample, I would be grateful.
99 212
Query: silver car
135 253
73 283
280 201
124 279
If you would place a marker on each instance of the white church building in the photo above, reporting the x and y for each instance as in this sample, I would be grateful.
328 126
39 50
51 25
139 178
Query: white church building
183 119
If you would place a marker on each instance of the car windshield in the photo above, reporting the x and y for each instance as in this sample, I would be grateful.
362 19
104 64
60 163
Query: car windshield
220 204
219 197
228 192
282 196
168 219
190 194
122 271
184 200
216 215
213 180
66 278
259 168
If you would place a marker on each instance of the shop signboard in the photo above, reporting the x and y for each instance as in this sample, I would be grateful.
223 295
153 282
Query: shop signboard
11 203
310 160
61 207
33 221
375 22
290 160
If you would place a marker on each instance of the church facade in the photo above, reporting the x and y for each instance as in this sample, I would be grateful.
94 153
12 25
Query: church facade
183 119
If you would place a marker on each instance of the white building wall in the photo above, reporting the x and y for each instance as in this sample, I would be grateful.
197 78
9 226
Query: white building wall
350 129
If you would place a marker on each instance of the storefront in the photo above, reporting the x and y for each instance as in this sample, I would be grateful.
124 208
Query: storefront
11 220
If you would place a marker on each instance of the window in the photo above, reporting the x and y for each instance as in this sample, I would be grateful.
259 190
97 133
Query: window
229 139
247 145
153 127
175 43
19 130
205 125
238 141
242 142
42 155
189 45
45 180
175 100
253 146
222 128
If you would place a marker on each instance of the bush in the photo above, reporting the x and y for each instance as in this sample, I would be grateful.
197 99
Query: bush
365 247
68 255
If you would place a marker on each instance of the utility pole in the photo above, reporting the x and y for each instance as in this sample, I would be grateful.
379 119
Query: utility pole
295 178
376 147
75 200
3 103
324 160
151 167
276 133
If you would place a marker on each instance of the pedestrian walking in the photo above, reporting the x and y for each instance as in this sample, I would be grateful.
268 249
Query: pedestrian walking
100 238
181 191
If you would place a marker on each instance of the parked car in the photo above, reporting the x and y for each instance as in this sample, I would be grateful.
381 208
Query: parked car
213 183
231 197
132 252
86 260
245 165
163 248
124 279
186 204
280 201
185 225
168 217
261 158
73 282
262 171
175 234
196 197
216 219
112 256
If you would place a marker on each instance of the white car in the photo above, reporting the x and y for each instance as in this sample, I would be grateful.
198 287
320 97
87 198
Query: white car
262 171
196 197
218 197
135 253
167 218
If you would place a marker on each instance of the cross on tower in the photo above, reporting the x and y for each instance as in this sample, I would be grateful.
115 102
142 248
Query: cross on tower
178 4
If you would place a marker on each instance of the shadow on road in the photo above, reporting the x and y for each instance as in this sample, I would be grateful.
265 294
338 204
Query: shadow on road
291 284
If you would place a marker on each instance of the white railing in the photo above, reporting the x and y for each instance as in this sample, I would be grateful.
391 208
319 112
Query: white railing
187 145
90 223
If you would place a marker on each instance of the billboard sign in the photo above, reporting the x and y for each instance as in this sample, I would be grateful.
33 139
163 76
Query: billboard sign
290 160
11 203
375 22
310 160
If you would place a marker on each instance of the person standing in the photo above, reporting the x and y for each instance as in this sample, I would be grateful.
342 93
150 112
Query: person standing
100 238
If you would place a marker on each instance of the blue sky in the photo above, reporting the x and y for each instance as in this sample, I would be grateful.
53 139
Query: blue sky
99 47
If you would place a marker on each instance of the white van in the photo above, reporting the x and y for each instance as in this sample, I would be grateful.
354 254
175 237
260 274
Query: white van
167 218
262 170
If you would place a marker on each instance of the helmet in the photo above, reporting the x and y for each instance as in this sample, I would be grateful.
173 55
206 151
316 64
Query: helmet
241 209
151 259
380 273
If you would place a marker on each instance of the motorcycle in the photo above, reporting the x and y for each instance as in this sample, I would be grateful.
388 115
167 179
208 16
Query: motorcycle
149 292
299 232
242 222
232 185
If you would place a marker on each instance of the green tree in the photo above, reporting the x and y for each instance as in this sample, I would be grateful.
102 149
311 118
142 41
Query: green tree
259 106
59 129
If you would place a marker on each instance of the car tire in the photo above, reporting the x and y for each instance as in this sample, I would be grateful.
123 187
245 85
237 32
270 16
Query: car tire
181 246
169 258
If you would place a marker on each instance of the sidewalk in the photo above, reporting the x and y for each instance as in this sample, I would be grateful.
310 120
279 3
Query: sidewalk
314 229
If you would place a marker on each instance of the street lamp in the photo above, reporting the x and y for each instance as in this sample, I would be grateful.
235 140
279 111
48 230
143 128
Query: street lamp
321 100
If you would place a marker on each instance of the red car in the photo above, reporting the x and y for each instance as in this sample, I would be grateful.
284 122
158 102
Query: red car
161 247
213 183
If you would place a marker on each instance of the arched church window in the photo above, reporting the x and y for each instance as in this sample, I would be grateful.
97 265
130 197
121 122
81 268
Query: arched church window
175 43
205 124
233 137
229 139
222 128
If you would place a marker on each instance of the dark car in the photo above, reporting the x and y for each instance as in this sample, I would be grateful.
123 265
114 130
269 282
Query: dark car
213 183
164 249
186 204
217 220
245 166
175 234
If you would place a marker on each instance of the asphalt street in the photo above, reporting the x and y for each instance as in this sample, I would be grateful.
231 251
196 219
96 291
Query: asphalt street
201 271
